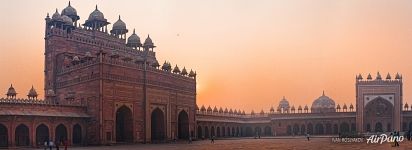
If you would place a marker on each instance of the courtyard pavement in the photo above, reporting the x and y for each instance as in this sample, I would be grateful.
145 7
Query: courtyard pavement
293 143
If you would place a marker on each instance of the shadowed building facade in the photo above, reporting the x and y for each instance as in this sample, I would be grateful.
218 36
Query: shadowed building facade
379 108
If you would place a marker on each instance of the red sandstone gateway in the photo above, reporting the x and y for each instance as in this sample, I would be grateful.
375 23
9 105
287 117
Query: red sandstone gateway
100 89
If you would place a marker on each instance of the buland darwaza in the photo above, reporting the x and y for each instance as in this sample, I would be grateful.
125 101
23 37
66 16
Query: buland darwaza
102 87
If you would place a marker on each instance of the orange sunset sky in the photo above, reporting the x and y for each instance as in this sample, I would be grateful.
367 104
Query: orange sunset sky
247 53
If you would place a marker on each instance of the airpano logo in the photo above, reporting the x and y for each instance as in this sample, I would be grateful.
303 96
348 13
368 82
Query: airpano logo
375 139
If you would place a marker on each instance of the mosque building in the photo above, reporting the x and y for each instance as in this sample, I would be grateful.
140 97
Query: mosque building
105 87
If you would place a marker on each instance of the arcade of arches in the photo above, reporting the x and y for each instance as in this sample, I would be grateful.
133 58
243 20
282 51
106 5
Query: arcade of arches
208 129
31 134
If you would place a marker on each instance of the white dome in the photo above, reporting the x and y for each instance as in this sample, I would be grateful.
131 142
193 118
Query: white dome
284 103
323 104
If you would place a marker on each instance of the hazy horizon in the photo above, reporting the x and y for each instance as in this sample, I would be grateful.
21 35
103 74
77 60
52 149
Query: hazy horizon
247 54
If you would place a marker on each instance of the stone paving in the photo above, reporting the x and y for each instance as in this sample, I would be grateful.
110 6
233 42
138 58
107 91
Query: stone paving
295 143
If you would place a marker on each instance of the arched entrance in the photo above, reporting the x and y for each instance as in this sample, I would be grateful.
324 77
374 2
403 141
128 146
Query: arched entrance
183 125
124 124
61 133
303 130
328 128
233 131
212 131
22 135
378 127
380 109
289 130
404 128
3 136
310 128
223 132
388 127
295 129
353 127
42 134
335 129
268 131
368 127
199 132
410 125
249 131
258 131
206 132
218 131
344 128
319 129
77 134
158 125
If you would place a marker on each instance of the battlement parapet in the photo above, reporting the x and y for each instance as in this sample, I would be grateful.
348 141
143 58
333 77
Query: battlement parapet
33 102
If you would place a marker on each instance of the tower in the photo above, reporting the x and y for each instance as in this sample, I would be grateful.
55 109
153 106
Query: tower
378 104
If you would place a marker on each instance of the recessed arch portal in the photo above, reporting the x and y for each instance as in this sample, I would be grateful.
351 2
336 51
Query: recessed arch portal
218 131
378 127
158 125
344 127
319 129
183 125
77 134
310 128
42 134
249 131
199 132
295 129
60 133
206 132
303 130
378 109
124 124
328 128
22 135
212 131
3 136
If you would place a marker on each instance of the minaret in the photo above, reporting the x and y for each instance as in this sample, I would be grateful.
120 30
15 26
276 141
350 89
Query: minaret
46 28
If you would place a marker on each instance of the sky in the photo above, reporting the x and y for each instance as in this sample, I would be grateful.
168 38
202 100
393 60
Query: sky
248 54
